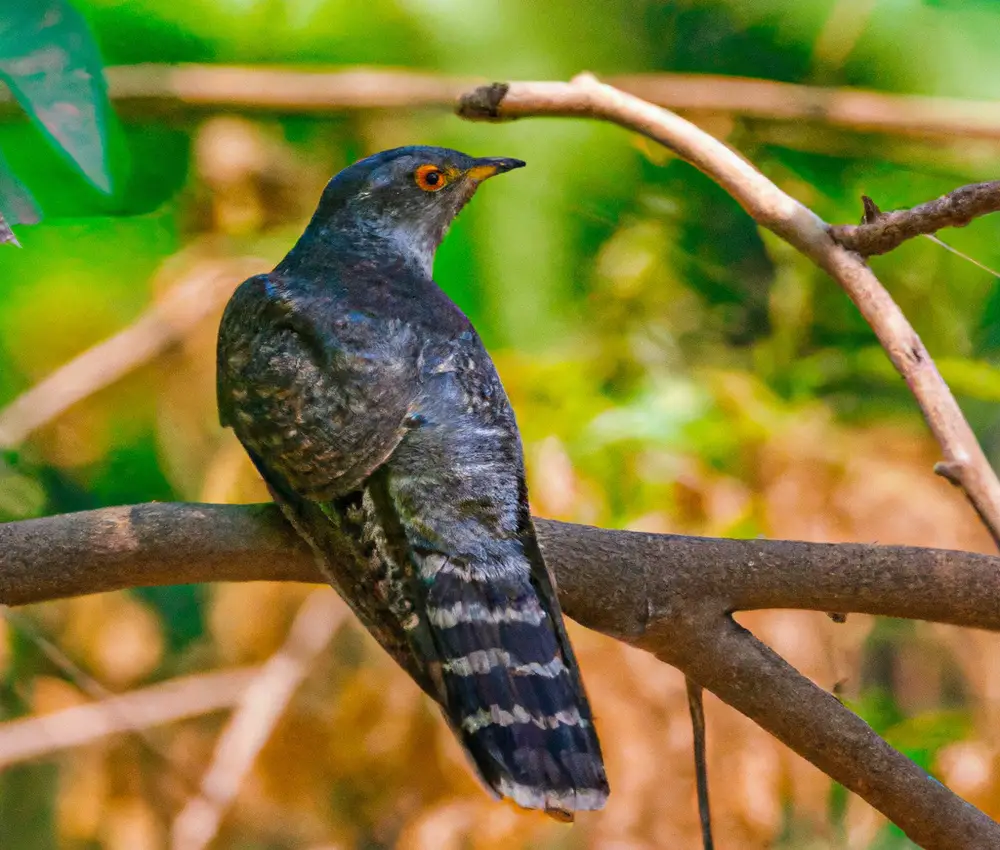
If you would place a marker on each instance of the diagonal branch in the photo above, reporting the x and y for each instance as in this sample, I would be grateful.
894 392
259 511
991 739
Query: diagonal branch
752 678
165 702
964 463
669 594
169 319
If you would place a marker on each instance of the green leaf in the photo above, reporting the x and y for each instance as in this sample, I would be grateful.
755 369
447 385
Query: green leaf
52 65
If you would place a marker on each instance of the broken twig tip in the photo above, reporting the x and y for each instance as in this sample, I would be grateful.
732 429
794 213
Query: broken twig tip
484 102
872 212
950 470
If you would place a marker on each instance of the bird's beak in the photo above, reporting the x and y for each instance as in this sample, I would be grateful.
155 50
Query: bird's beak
488 166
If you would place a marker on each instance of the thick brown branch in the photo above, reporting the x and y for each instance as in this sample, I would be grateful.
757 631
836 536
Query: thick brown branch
669 594
881 232
611 581
964 462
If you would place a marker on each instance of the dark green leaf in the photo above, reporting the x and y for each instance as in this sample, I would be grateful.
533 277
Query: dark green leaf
51 63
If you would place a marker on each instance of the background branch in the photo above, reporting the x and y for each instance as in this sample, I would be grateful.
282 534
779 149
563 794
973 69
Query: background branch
165 702
169 319
138 89
260 707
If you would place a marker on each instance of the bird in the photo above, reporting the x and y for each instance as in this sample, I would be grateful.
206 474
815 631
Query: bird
370 407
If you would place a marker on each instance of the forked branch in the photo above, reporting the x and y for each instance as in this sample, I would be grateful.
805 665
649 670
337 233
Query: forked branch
669 594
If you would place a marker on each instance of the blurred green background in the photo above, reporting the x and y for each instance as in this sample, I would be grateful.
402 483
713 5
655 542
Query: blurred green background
673 369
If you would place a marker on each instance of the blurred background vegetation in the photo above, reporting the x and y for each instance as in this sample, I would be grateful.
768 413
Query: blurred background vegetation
673 369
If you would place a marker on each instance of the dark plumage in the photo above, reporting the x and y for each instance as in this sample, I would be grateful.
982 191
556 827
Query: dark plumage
370 407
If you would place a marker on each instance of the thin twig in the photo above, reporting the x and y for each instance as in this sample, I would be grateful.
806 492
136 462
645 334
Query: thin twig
261 706
951 249
964 463
881 232
165 702
696 706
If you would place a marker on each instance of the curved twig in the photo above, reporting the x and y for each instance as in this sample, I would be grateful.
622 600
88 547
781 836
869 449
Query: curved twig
964 463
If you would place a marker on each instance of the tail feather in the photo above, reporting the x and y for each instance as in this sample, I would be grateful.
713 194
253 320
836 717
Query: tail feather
513 695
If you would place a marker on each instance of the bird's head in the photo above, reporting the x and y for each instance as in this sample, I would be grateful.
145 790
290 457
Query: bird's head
407 196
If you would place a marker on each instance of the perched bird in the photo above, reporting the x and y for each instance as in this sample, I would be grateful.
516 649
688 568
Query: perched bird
370 407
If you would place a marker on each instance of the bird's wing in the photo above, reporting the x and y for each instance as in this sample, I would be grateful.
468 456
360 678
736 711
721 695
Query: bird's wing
319 404
320 396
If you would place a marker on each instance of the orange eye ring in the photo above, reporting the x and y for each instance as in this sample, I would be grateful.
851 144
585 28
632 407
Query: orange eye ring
430 178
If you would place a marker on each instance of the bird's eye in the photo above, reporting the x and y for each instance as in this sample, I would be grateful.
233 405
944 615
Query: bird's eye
430 178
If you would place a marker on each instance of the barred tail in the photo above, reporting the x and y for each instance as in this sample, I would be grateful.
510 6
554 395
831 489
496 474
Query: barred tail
514 694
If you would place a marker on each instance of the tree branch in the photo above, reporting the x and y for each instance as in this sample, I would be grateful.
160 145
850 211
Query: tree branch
881 232
668 594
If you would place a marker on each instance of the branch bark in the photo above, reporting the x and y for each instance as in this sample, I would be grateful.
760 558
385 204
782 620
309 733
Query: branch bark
669 594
